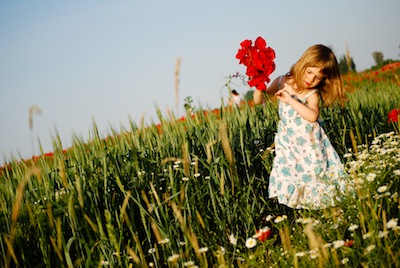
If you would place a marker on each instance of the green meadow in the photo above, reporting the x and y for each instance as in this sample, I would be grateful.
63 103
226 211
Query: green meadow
193 192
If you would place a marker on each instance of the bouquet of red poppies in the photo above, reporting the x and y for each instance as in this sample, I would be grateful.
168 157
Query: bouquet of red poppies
259 60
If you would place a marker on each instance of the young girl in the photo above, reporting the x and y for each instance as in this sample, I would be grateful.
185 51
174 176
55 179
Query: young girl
307 171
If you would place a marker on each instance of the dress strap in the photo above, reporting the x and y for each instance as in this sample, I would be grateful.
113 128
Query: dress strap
308 95
279 82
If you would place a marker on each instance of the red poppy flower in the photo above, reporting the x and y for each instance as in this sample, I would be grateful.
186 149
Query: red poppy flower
263 234
393 115
349 243
259 61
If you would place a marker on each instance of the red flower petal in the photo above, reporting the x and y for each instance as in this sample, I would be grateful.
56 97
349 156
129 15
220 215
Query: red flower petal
259 61
393 115
263 235
246 43
260 43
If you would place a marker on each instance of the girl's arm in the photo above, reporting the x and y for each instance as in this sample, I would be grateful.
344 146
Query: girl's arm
258 95
309 112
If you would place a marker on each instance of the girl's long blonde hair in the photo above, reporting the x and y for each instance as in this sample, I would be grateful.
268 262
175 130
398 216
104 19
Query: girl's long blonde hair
331 87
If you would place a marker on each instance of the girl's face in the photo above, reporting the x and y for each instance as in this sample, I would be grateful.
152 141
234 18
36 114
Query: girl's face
312 77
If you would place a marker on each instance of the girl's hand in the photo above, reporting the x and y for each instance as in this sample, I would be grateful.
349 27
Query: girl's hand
283 95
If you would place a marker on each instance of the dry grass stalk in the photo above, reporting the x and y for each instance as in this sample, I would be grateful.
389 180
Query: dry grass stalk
169 159
34 109
285 238
222 184
63 174
189 234
57 250
185 159
223 134
316 243
15 213
200 219
154 192
353 141
156 231
348 58
79 191
134 256
125 203
141 253
50 215
208 150
91 223
177 80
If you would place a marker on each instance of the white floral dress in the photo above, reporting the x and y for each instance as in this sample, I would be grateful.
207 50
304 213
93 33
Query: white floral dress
307 171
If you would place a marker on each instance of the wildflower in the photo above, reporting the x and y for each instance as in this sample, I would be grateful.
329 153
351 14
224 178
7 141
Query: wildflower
268 218
327 245
334 226
263 234
345 260
188 264
391 224
251 242
203 250
300 254
196 175
152 250
382 234
369 249
173 258
393 115
232 239
397 172
164 241
353 227
338 243
314 253
304 220
207 177
280 218
349 243
367 235
382 189
371 177
348 155
185 179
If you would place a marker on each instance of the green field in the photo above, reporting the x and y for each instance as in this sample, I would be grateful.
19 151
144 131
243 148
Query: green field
193 193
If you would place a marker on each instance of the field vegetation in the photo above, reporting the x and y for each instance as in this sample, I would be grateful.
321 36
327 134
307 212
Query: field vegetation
193 192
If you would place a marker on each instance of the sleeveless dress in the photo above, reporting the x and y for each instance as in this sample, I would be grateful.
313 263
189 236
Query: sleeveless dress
307 171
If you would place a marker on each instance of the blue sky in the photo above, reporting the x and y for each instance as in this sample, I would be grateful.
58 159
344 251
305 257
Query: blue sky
110 62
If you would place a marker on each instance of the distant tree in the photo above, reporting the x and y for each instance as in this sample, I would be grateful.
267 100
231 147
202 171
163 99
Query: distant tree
345 66
378 57
249 95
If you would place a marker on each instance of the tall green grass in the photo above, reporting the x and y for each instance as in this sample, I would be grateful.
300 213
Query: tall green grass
177 195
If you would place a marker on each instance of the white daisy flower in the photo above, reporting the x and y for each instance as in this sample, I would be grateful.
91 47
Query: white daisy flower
338 243
232 239
382 189
251 242
280 218
353 227
391 224
371 177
